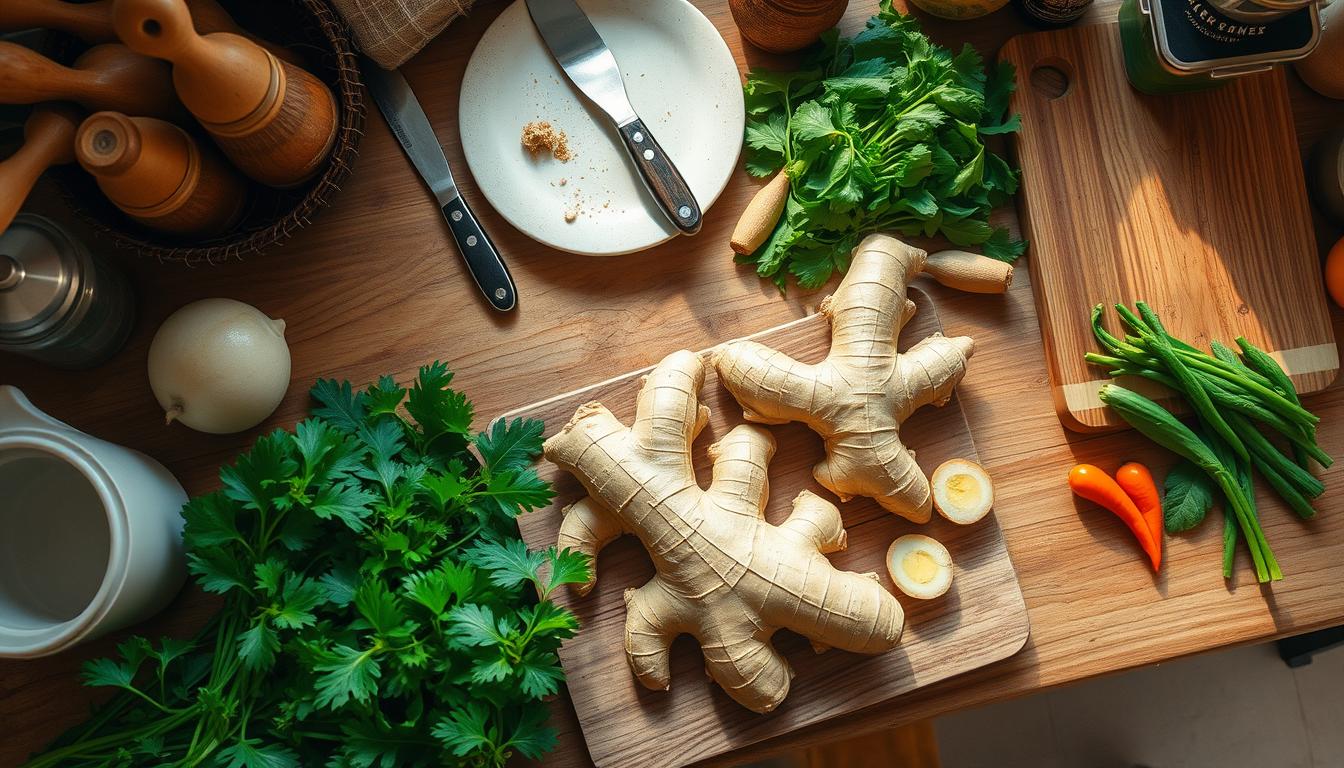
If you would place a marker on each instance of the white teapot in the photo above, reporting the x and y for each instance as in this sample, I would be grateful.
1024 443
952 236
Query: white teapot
90 533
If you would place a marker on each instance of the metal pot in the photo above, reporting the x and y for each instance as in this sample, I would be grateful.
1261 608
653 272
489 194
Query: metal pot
59 304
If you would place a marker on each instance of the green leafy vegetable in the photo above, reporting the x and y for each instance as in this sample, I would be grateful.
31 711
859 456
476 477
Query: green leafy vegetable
1188 496
379 608
1233 397
880 132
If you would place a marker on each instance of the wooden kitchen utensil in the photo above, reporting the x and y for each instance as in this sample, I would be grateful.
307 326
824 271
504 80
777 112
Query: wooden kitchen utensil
982 620
276 122
160 176
107 76
1195 204
92 22
780 26
48 139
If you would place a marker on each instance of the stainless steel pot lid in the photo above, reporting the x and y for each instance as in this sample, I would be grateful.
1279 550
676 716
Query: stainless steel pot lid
39 269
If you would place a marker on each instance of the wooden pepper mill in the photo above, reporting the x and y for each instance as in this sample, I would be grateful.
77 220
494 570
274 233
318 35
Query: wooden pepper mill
780 26
48 139
275 121
108 76
160 176
92 22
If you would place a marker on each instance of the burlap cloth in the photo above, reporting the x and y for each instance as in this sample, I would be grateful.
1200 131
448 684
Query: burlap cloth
392 31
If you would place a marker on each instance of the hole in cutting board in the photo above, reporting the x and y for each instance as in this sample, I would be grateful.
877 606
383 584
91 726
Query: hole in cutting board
1052 78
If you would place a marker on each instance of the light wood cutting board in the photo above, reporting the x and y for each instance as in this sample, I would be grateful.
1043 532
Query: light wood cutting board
981 620
1194 203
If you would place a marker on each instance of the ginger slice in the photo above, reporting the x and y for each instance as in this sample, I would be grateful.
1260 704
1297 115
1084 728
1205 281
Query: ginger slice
857 398
724 574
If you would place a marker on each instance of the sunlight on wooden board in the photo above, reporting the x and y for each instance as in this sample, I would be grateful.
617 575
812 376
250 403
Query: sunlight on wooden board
981 620
1195 204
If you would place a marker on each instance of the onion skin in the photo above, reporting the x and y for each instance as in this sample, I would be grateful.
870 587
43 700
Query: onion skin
219 366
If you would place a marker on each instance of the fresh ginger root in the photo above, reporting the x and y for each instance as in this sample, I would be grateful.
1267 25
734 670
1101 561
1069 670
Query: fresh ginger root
858 396
724 575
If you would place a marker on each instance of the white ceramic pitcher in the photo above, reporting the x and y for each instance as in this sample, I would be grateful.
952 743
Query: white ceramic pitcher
90 533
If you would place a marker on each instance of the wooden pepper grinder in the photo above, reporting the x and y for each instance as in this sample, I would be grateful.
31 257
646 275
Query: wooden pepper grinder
48 139
275 121
92 22
108 76
158 175
780 26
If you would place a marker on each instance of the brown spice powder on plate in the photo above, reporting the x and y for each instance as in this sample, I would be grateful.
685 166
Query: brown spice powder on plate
539 136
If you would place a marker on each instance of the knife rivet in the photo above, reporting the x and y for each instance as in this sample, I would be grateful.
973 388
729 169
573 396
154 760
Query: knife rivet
638 137
457 215
684 211
500 293
471 239
648 154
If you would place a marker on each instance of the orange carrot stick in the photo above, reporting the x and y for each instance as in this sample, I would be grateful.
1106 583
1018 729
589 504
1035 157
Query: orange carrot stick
1100 488
1136 481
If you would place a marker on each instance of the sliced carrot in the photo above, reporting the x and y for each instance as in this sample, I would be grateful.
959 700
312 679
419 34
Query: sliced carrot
1137 482
1096 486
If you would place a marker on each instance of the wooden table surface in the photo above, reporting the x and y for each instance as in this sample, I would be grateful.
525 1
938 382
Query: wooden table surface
374 286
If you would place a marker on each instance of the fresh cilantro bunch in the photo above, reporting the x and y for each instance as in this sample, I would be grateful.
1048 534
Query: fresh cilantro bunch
379 607
879 132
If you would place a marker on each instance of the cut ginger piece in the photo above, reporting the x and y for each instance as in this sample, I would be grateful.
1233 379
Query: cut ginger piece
962 491
857 398
723 574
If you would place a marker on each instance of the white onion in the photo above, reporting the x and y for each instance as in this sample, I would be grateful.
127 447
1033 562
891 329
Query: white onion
219 366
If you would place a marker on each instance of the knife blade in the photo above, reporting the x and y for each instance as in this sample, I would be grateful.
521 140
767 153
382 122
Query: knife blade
590 66
411 127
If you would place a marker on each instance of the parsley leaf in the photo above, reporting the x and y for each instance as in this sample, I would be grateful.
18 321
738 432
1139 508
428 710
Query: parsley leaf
378 607
882 131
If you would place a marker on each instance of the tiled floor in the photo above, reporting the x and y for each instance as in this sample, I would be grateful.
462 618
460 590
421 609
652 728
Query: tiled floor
1242 707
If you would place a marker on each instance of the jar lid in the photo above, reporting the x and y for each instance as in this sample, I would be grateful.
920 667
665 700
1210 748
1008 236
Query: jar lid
1195 37
41 271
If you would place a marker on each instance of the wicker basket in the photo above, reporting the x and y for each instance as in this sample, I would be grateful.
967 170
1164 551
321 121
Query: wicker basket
311 28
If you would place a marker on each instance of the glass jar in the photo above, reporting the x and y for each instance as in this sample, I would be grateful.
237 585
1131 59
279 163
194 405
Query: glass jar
1176 46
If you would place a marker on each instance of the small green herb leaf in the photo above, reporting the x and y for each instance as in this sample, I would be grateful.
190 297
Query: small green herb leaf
1189 494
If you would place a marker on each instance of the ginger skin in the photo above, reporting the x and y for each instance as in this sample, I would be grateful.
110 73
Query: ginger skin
857 398
724 574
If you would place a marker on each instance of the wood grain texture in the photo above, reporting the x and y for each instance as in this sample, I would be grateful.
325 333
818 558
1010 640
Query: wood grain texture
274 120
980 621
92 21
661 177
108 76
48 139
1195 204
159 175
374 286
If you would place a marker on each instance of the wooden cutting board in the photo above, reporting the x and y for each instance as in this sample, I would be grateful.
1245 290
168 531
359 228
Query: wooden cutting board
1194 203
981 620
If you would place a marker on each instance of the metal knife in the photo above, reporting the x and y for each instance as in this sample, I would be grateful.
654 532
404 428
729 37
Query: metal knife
590 66
409 124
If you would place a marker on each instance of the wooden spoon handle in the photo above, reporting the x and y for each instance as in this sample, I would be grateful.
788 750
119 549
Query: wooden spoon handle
159 28
27 77
90 22
758 220
49 139
969 272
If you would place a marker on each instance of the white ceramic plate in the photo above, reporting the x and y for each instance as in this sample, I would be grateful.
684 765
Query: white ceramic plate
683 82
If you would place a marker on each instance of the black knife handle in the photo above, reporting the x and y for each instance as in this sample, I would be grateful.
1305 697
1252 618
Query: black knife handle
483 261
662 177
